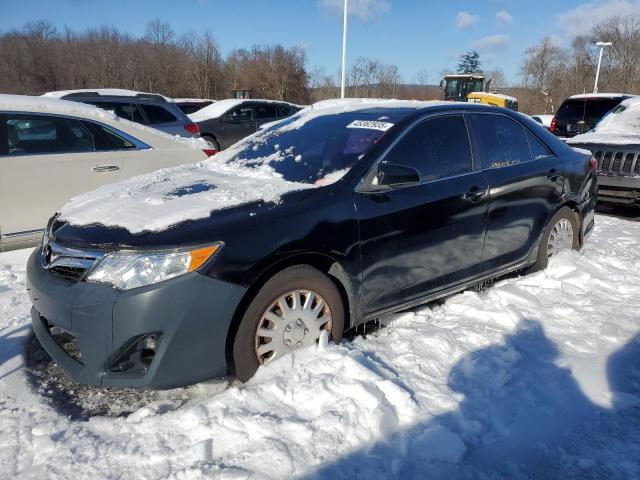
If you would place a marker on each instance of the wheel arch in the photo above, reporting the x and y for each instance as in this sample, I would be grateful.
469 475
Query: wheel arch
320 261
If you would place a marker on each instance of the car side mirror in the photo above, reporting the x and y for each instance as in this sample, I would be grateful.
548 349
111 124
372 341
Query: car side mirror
397 175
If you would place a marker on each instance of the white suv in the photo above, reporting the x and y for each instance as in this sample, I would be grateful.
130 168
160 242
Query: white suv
52 150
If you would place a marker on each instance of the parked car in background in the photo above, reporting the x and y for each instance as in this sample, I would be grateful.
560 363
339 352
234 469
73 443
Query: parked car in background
192 105
225 122
310 227
149 109
615 143
544 120
52 150
580 113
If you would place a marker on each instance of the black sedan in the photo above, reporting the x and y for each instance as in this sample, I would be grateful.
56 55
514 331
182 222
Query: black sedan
398 204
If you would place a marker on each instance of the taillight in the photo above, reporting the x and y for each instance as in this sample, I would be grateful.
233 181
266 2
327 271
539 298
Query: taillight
192 128
552 127
594 164
209 152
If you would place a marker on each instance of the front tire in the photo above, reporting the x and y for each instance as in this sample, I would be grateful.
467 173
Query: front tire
561 234
289 312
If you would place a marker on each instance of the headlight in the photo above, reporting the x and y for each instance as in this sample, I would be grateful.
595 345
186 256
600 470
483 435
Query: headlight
127 270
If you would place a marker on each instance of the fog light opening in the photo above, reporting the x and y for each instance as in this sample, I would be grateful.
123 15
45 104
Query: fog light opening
137 357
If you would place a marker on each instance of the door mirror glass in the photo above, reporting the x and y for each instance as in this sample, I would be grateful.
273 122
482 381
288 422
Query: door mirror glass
397 175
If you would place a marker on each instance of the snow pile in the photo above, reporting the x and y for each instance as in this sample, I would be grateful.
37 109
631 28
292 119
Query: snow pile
621 126
535 378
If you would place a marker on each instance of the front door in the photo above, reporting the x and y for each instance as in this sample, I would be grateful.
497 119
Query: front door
45 161
422 238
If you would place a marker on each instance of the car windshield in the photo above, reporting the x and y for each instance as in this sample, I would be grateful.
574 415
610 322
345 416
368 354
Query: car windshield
309 148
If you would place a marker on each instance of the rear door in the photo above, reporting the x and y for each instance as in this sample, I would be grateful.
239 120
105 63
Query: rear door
428 236
525 186
47 160
237 123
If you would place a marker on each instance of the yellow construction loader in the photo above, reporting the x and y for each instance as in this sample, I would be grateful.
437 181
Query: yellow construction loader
472 88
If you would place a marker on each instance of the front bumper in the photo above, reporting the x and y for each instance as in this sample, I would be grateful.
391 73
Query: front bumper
192 312
619 189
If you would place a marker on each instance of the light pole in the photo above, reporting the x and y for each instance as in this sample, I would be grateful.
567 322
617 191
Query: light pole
601 45
344 48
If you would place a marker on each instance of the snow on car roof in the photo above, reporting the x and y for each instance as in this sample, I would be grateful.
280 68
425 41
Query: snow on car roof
343 105
52 105
599 95
219 108
193 100
26 103
104 92
619 127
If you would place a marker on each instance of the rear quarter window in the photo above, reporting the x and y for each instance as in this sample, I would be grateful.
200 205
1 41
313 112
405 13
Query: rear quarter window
157 114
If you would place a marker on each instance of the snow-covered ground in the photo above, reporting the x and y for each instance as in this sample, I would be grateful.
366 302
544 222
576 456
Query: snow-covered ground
536 377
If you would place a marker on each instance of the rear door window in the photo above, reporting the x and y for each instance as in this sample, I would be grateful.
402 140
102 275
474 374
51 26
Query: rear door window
502 140
157 114
266 110
128 111
437 147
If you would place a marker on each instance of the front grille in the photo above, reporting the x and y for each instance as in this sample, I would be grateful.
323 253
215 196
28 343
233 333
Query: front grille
70 263
617 160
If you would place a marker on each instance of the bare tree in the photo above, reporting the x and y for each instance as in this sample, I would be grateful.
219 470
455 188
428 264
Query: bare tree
159 33
542 70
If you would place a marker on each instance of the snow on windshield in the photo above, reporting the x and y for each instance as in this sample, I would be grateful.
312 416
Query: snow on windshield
262 167
620 126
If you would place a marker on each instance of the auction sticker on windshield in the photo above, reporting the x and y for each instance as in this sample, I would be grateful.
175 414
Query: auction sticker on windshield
370 124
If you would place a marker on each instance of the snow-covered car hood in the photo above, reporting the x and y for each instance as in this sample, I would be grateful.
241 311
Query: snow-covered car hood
156 201
619 127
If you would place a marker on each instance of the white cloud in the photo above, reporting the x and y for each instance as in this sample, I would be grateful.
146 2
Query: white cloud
504 17
492 43
465 20
365 10
584 17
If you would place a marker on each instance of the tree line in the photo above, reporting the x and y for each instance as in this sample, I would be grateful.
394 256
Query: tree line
40 58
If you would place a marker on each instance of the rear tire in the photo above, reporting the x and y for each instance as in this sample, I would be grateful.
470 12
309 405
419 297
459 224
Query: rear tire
212 142
561 233
312 287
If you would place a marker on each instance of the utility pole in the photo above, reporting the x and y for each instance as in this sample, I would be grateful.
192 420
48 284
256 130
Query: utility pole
344 49
601 45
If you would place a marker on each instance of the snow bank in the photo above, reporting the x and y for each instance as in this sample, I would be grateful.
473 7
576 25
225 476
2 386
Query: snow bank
535 378
619 127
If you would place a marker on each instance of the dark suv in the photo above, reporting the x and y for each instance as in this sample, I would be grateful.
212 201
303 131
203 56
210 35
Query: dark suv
580 113
225 122
146 108
310 227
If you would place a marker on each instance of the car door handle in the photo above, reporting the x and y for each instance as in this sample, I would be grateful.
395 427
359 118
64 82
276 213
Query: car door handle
475 194
553 174
105 168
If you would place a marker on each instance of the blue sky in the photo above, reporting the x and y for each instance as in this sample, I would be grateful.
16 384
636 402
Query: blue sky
413 34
